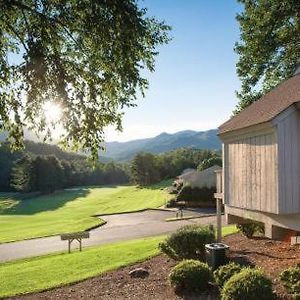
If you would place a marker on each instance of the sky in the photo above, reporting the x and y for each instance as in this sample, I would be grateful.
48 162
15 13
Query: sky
193 86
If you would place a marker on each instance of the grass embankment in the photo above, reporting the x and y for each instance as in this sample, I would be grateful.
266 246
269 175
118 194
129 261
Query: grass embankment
72 210
40 273
44 272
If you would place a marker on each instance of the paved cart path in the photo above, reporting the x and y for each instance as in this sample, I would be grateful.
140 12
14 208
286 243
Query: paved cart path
119 227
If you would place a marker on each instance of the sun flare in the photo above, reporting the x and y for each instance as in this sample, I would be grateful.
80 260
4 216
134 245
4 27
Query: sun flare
52 111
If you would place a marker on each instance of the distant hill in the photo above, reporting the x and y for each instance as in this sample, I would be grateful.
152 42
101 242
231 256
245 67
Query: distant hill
122 151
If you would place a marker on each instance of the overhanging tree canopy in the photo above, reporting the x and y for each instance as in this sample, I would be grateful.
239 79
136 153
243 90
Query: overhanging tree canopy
86 56
269 48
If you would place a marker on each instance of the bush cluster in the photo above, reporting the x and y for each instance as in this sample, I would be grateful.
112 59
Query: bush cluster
194 194
188 242
171 203
224 273
190 274
250 284
290 279
250 228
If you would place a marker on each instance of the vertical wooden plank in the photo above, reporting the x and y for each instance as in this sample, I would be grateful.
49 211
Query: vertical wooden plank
226 173
269 170
240 162
233 173
298 154
219 220
229 174
258 171
243 174
288 165
276 178
272 174
246 178
294 162
249 173
281 167
262 174
253 173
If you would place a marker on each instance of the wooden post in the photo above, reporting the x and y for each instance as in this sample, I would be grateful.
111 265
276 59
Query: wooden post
219 220
69 246
219 199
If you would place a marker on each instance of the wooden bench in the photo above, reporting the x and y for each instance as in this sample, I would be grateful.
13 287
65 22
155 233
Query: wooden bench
78 236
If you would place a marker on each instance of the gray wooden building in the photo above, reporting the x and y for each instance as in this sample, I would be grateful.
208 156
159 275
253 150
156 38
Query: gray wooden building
261 161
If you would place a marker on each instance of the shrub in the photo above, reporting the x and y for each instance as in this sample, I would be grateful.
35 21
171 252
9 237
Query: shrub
249 229
171 203
194 194
250 284
190 274
290 279
224 273
188 242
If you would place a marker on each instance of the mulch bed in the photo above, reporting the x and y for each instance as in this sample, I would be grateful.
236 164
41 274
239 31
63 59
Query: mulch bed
272 256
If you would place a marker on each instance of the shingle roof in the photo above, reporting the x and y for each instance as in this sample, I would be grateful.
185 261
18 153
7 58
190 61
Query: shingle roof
267 107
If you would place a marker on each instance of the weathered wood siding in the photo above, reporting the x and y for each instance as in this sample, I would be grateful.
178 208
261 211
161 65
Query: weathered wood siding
251 170
288 131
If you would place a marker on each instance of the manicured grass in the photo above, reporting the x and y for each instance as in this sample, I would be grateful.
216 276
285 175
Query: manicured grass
72 210
44 272
230 229
40 273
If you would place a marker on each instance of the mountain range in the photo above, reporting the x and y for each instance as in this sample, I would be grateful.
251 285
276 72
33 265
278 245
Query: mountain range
164 142
123 151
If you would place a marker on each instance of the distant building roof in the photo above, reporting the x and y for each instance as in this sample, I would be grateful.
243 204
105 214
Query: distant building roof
267 107
188 170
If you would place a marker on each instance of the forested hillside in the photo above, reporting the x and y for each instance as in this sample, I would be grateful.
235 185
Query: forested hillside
44 167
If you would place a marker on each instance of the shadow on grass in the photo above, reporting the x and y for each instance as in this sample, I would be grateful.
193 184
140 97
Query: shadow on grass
42 203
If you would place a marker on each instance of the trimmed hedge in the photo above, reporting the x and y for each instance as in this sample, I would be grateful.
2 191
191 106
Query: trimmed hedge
250 284
224 273
188 242
190 274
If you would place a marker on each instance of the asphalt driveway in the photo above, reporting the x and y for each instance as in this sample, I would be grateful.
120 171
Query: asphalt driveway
119 227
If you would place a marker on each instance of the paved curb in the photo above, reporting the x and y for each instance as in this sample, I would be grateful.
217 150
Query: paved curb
189 218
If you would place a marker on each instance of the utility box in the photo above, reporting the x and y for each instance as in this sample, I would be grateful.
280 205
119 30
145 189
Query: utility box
216 254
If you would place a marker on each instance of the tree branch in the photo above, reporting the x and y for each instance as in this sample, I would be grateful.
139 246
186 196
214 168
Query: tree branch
47 18
16 33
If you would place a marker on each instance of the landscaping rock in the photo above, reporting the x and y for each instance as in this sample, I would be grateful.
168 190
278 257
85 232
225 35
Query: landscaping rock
139 273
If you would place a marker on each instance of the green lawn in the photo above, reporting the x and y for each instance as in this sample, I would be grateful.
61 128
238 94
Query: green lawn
40 273
70 211
43 272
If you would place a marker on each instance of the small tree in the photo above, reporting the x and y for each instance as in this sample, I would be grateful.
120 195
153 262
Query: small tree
144 169
22 176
